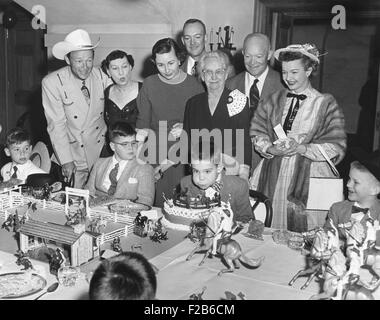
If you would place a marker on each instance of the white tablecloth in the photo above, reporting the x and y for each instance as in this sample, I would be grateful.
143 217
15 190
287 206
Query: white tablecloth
79 291
178 278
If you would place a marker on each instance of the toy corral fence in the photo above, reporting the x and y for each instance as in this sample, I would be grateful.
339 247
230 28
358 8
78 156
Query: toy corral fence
105 237
127 220
13 198
10 198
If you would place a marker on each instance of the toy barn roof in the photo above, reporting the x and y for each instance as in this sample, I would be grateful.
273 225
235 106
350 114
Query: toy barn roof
50 231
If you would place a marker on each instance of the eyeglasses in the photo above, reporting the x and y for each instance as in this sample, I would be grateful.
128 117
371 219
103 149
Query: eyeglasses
132 144
218 73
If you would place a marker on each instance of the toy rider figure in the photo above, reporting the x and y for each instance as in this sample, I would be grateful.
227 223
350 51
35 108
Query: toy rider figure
226 225
57 260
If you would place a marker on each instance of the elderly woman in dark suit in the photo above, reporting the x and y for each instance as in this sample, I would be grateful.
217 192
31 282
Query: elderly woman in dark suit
222 113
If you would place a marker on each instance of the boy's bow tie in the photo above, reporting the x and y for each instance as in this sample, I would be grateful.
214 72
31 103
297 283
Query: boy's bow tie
356 209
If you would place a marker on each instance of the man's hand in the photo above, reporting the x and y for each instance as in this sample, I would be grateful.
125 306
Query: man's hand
68 169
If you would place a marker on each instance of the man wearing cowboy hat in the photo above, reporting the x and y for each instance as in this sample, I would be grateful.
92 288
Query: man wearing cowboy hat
73 101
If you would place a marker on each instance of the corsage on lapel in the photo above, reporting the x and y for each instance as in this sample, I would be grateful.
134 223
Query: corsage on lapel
236 102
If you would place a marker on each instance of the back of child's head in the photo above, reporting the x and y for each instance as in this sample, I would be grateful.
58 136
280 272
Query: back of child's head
205 150
17 136
120 128
128 276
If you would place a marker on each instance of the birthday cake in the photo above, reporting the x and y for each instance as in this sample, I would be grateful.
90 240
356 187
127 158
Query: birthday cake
183 209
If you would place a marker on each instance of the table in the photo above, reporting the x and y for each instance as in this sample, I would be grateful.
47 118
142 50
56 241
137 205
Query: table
178 278
80 290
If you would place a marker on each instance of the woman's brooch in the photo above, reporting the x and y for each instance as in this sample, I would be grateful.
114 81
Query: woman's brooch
236 102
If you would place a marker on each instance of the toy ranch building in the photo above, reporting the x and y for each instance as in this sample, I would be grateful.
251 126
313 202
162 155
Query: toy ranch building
80 246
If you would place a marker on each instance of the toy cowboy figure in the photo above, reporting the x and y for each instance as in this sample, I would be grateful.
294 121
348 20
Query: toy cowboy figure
57 261
225 226
116 245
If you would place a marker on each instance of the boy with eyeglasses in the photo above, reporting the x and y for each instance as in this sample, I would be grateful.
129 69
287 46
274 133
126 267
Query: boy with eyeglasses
18 147
121 176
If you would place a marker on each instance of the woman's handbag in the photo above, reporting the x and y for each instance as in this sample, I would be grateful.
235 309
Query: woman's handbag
324 191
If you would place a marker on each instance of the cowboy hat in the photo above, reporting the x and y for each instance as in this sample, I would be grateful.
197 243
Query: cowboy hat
39 180
40 156
76 40
36 181
307 49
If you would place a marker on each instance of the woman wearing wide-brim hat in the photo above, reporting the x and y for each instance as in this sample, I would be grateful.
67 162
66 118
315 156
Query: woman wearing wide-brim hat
309 118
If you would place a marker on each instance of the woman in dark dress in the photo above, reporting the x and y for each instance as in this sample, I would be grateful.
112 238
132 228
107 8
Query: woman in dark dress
120 97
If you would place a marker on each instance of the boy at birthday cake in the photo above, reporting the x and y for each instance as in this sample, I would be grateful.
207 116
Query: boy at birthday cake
208 179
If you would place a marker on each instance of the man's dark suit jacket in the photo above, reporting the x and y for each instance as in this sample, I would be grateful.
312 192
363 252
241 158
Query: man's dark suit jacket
272 84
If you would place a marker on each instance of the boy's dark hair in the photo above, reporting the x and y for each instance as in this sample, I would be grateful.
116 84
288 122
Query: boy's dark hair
205 150
120 128
128 276
16 136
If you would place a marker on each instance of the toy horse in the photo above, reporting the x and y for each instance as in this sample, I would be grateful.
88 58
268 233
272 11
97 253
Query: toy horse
340 284
22 259
362 255
227 247
323 245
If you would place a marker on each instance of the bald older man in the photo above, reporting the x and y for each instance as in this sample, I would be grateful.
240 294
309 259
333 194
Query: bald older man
259 80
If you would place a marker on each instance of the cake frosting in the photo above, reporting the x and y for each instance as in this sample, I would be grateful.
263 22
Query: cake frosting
183 209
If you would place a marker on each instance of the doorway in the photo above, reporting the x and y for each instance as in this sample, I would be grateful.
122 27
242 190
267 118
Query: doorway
22 65
349 70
